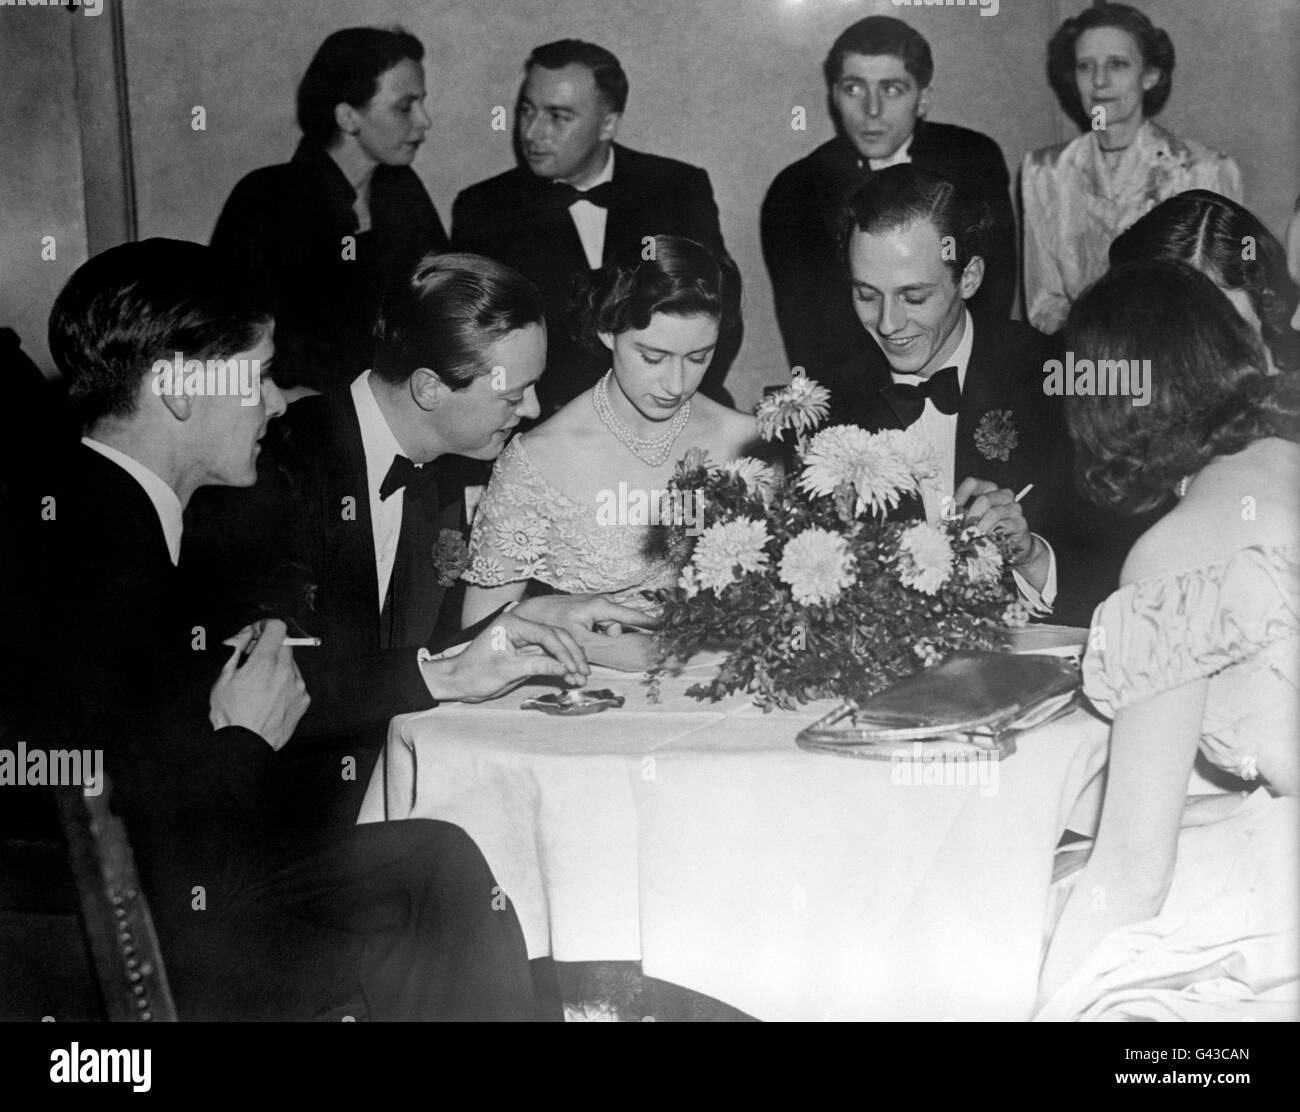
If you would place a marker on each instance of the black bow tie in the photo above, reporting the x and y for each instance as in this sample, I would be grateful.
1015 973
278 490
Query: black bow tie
908 400
404 473
565 195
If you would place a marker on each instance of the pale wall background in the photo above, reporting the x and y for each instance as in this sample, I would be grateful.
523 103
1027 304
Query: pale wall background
713 83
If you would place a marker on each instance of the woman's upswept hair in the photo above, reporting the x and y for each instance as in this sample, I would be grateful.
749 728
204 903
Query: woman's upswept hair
681 278
1156 48
346 70
1229 244
1211 394
446 313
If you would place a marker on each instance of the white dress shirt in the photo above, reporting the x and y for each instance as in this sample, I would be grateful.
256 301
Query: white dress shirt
165 502
939 430
590 219
903 154
380 446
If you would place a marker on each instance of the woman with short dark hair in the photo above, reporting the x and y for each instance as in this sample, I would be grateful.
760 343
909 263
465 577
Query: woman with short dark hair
552 518
1112 70
1186 907
322 236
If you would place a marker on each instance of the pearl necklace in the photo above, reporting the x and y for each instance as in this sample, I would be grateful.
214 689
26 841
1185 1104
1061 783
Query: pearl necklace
652 452
1183 484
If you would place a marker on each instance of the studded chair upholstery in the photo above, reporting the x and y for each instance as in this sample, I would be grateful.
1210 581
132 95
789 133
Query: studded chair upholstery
119 928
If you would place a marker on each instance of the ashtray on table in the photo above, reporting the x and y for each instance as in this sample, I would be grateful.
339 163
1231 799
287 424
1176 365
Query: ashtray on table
574 703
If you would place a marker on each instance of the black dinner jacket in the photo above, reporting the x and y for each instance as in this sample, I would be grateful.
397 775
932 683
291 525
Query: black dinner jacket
282 229
800 226
511 219
126 675
1005 373
298 545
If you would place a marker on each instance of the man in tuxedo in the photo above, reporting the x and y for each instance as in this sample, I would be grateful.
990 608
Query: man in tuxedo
392 920
878 75
969 384
357 527
577 200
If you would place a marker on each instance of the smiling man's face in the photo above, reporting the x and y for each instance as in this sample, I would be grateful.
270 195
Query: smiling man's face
907 296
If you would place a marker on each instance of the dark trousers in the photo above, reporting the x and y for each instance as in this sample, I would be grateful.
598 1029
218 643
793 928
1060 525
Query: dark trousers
387 921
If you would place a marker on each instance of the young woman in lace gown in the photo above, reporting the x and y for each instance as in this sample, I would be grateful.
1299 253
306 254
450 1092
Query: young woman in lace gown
1186 907
574 505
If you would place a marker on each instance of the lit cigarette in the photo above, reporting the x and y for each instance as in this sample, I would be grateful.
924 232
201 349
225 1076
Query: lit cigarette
302 642
1018 497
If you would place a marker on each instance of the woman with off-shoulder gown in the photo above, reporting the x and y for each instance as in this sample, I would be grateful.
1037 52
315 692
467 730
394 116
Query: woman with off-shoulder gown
1186 907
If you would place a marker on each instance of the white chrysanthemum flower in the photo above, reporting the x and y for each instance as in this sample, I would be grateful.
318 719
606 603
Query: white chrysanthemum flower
757 475
870 462
1016 615
689 581
523 539
986 565
925 558
728 550
817 565
919 456
800 406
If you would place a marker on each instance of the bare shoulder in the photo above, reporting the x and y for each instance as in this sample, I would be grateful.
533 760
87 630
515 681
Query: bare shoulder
730 433
1237 501
562 432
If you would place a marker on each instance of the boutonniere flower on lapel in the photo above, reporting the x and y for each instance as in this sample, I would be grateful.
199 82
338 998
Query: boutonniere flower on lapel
996 436
450 556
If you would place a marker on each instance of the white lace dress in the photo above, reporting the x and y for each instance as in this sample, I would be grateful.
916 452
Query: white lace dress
526 529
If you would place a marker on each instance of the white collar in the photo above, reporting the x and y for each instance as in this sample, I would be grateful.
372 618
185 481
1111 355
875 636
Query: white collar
607 174
960 358
377 439
165 503
899 156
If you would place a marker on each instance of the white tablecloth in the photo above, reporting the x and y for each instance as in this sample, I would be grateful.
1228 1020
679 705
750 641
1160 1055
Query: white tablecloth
698 839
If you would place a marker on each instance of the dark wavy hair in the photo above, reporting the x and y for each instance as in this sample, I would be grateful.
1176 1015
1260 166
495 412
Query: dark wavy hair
446 313
1156 48
1210 392
346 70
899 196
1210 232
606 70
682 279
877 35
140 302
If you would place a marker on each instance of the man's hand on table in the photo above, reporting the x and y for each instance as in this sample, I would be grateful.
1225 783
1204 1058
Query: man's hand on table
581 613
505 654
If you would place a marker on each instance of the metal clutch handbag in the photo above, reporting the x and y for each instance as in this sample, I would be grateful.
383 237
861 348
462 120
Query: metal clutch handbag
974 702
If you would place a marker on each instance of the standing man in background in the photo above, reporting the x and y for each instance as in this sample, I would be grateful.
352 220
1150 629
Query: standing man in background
577 198
878 75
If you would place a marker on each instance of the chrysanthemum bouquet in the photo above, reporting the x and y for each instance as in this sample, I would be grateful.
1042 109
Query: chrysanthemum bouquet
803 581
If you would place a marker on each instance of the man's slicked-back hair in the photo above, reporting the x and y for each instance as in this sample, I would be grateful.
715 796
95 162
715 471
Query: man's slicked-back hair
346 70
877 35
446 313
606 70
1210 232
132 305
900 196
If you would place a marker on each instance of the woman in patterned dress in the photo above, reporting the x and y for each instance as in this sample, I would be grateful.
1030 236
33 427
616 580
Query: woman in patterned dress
1112 70
576 504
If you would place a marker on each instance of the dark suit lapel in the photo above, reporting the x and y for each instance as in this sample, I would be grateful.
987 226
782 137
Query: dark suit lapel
626 217
987 406
350 555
